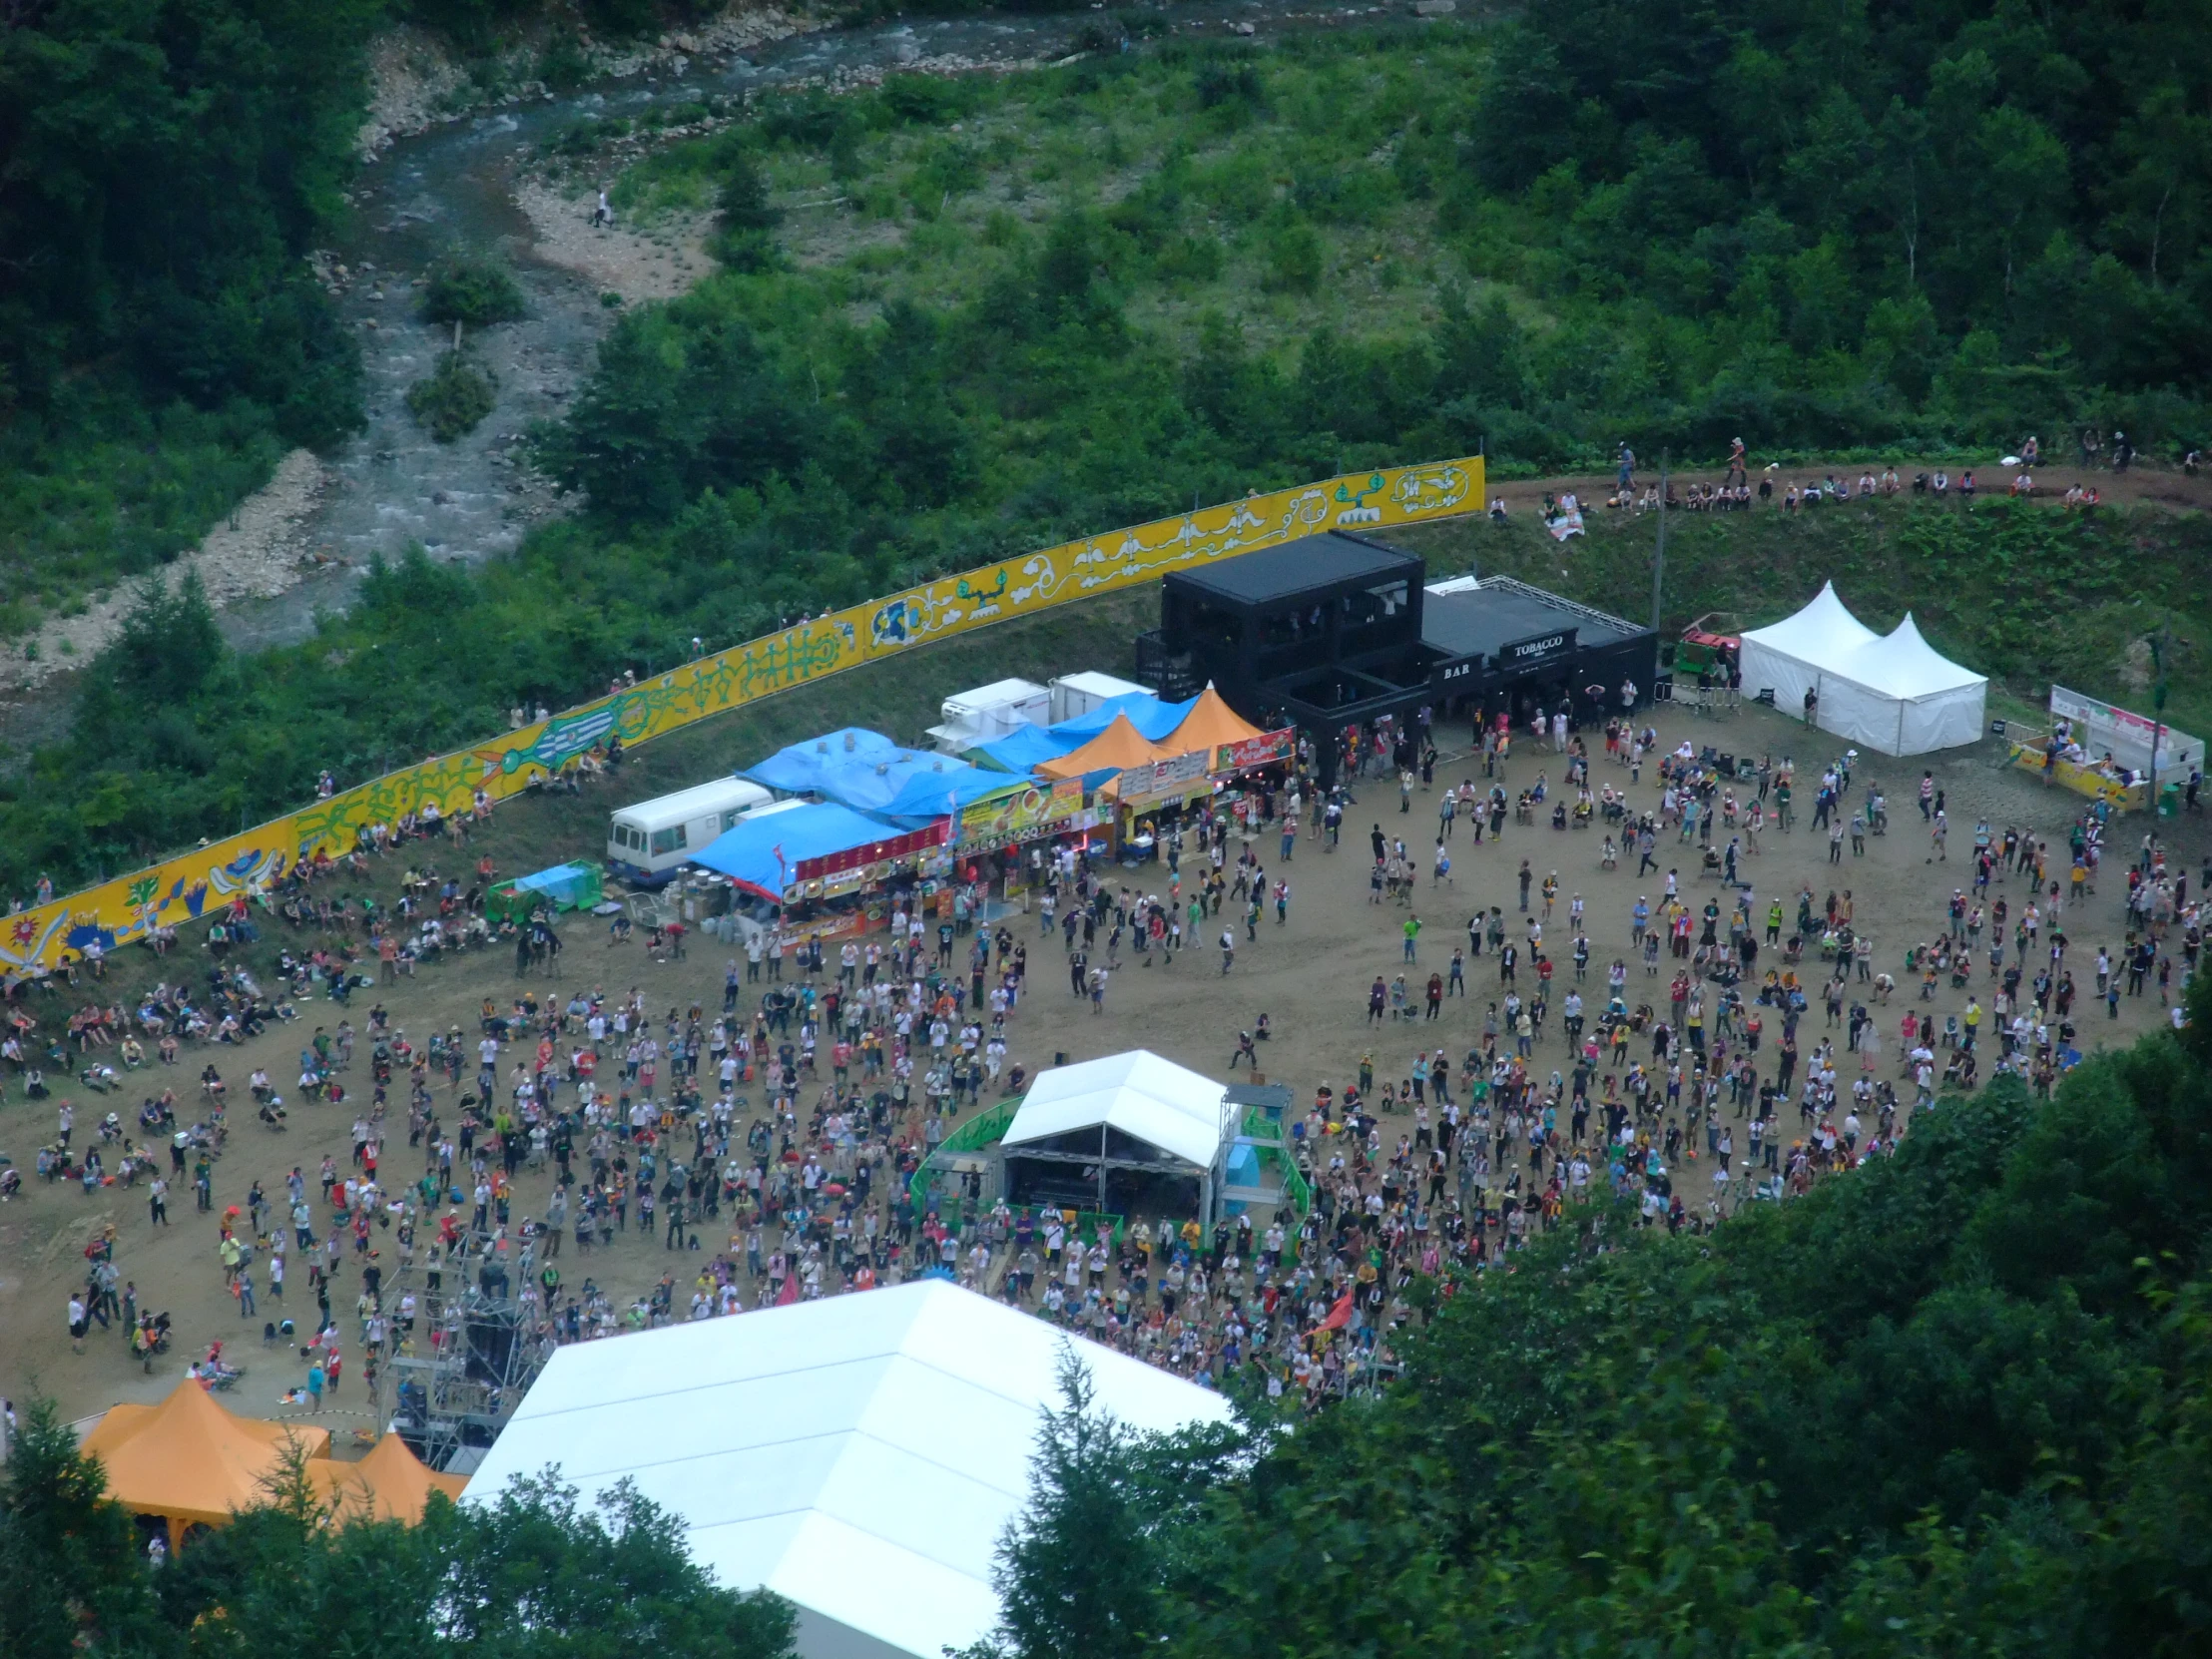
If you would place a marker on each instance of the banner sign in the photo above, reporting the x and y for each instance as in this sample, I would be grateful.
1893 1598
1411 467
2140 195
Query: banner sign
891 847
1263 750
1522 652
1026 814
194 883
1159 779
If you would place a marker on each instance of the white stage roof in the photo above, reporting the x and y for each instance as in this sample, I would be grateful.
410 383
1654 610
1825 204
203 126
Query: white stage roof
859 1454
1154 1100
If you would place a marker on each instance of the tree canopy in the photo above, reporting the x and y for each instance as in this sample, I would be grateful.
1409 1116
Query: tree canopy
533 1575
1954 1401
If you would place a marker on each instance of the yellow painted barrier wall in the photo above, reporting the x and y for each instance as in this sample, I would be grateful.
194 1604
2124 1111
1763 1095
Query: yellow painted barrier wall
193 884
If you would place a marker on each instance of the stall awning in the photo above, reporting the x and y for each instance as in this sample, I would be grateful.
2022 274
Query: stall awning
1210 723
190 1459
763 855
1152 718
390 1484
1120 745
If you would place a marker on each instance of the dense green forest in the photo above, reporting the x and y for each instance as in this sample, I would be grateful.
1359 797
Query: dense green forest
1957 1401
165 167
533 1576
1053 302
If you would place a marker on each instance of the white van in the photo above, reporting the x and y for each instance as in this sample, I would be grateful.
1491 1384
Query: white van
646 844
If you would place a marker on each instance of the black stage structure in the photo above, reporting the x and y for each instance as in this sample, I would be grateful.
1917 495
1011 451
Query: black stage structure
1338 629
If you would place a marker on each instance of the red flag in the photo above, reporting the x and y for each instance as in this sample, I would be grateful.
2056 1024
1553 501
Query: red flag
1339 1316
790 1293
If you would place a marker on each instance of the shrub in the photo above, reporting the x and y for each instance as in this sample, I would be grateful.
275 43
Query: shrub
473 293
452 400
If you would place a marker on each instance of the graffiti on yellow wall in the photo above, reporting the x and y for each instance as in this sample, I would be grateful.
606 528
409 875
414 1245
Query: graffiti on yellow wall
195 884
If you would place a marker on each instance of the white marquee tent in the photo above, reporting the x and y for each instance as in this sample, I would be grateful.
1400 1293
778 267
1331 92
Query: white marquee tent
1894 693
859 1454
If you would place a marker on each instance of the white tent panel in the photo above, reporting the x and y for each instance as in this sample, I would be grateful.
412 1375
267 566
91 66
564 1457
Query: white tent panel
1893 692
1825 629
1154 1100
859 1454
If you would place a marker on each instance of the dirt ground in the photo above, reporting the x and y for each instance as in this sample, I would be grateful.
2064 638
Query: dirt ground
656 262
1309 976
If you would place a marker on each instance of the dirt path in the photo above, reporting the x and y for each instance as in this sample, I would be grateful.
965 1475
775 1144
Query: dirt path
2141 484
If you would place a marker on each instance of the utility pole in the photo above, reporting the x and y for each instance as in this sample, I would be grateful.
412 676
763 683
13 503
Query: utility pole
1659 565
2158 721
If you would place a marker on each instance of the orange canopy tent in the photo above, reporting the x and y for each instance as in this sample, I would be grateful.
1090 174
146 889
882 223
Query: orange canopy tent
1120 745
189 1461
1210 723
390 1484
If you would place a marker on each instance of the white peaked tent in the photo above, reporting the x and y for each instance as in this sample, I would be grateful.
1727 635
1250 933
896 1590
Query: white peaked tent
1153 1100
859 1454
1131 1130
1893 692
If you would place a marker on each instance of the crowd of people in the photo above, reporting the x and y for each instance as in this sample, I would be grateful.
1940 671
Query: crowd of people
1733 1053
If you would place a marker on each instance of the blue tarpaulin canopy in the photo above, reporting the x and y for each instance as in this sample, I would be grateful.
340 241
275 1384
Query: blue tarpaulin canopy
1030 747
1152 718
1026 748
942 791
866 770
748 853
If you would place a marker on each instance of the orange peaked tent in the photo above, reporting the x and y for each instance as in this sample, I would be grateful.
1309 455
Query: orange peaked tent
1120 745
189 1460
390 1484
1210 723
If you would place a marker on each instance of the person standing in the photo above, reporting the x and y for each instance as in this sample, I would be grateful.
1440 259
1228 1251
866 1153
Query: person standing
157 1203
78 1319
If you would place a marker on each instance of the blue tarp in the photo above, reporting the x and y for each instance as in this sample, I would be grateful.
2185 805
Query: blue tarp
934 792
809 767
1152 718
1025 750
747 853
875 776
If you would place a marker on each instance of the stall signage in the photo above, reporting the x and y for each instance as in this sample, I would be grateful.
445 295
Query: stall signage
1521 653
1263 750
1020 814
1157 779
855 857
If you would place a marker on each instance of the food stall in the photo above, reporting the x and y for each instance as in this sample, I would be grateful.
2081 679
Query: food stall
825 872
2104 752
996 833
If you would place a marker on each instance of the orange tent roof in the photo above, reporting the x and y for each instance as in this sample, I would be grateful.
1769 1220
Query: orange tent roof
390 1484
1209 724
190 1459
1120 745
